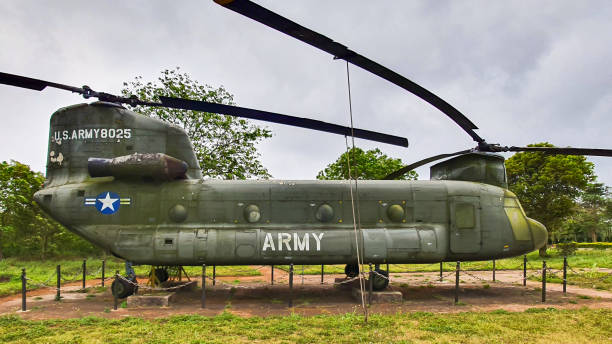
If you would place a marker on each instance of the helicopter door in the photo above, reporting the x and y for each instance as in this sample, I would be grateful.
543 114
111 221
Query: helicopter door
465 234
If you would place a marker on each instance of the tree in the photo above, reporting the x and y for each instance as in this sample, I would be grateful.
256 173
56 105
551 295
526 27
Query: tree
371 164
224 145
548 185
591 219
24 228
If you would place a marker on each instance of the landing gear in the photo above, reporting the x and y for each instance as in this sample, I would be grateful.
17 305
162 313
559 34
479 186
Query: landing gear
161 274
378 281
122 288
351 270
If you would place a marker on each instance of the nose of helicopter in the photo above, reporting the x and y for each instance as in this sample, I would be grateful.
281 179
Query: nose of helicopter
540 234
39 197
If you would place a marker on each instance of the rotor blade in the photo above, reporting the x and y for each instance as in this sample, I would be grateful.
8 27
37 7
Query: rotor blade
178 103
420 163
34 84
564 150
339 51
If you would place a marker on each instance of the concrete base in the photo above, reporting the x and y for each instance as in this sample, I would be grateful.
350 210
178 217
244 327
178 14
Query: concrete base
162 300
379 296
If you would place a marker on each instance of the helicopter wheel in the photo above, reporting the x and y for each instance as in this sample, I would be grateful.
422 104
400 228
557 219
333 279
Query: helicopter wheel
122 288
351 270
161 274
379 282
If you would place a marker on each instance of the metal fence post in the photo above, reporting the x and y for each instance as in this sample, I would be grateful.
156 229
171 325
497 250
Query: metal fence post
370 285
204 285
457 282
524 270
115 299
84 271
23 289
271 274
103 270
214 281
58 272
543 281
493 270
322 272
564 274
290 285
441 271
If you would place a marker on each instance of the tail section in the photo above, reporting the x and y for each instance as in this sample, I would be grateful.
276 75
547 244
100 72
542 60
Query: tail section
106 130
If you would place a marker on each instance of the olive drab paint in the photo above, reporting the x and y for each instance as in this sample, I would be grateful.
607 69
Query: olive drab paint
147 216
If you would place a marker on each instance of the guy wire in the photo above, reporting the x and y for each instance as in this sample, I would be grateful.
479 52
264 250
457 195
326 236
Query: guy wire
356 219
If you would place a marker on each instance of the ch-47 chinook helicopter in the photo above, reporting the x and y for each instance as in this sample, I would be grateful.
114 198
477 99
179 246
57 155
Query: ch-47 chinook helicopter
132 185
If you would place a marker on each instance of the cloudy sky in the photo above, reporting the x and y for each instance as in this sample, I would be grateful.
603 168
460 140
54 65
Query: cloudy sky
523 71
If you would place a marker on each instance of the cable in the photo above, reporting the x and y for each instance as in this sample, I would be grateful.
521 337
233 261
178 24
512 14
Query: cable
356 217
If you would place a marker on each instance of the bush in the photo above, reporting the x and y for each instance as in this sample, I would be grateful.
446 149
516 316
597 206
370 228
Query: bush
570 247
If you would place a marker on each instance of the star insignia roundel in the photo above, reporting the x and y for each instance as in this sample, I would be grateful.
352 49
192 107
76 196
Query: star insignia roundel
107 202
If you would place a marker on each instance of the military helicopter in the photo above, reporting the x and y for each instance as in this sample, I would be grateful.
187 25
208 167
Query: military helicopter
132 185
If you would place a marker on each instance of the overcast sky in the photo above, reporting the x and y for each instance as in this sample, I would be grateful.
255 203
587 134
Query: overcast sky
523 71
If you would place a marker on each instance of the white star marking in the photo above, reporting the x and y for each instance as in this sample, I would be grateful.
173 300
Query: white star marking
108 202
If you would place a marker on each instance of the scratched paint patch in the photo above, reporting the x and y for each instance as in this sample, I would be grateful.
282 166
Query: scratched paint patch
107 202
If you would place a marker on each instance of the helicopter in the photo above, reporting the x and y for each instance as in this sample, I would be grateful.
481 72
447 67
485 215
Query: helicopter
132 185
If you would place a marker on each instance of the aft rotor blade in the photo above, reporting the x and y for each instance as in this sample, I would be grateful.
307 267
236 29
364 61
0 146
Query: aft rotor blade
420 163
34 84
564 150
196 105
339 51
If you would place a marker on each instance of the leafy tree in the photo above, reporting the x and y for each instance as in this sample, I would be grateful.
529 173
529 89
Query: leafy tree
24 228
548 185
224 145
371 164
591 218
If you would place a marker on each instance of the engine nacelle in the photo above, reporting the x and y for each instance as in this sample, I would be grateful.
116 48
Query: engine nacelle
156 166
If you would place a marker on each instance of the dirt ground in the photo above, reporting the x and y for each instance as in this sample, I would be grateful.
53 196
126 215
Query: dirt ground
254 296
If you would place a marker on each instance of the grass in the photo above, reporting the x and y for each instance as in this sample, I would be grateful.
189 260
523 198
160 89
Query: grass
588 279
535 325
44 271
584 258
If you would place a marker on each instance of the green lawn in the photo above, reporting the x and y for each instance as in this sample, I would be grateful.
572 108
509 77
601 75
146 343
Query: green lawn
588 279
584 258
44 271
534 325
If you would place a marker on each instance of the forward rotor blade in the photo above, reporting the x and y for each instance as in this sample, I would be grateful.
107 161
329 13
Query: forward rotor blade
339 51
564 151
420 163
186 104
34 84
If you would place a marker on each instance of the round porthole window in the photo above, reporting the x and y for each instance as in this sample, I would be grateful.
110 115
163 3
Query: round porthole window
325 213
178 213
251 213
395 213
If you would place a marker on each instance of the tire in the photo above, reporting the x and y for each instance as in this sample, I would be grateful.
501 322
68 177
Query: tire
122 289
351 270
161 275
379 282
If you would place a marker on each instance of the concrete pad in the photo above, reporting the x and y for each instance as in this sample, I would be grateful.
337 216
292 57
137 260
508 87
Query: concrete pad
379 296
162 300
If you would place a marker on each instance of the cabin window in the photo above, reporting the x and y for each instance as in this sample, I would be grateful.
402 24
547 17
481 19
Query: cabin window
167 241
464 216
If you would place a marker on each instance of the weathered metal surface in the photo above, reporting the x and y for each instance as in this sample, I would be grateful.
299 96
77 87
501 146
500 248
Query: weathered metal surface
195 221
